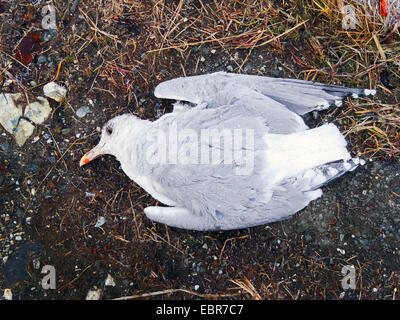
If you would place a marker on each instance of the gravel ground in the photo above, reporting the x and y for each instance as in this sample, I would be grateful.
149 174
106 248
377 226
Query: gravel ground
51 210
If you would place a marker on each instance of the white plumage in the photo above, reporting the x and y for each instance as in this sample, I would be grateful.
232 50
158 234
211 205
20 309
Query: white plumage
276 170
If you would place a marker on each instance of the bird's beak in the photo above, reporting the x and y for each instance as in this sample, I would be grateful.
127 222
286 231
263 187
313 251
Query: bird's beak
91 155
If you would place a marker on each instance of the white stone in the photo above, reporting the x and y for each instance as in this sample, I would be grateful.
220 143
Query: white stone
55 91
10 112
38 111
93 294
23 131
109 281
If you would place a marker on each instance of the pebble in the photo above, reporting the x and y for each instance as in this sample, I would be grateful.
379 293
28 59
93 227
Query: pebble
100 222
65 131
229 68
6 147
32 167
38 111
55 91
36 263
93 294
82 111
42 59
19 213
109 281
341 251
276 74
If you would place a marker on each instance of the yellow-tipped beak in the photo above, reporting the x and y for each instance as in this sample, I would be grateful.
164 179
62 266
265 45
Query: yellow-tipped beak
91 155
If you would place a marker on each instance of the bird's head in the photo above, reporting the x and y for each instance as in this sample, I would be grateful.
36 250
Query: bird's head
112 136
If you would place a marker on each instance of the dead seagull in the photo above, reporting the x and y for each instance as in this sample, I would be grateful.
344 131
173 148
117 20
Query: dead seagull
234 153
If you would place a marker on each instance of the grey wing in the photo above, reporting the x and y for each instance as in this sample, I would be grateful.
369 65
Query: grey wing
229 193
297 95
217 199
242 101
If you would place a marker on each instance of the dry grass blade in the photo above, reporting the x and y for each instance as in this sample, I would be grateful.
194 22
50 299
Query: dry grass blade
247 286
171 291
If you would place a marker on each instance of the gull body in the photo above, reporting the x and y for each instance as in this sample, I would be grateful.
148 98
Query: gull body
289 162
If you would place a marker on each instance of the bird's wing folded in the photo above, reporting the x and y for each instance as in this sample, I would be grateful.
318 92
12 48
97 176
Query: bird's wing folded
216 174
247 102
297 95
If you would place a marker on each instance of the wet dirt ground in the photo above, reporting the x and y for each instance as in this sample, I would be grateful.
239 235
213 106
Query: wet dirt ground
49 206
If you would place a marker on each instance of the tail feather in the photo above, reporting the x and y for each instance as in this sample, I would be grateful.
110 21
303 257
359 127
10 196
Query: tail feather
331 171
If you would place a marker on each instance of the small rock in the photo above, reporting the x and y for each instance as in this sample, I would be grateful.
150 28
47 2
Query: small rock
109 281
229 68
6 147
65 131
23 131
55 91
10 112
196 287
38 111
36 263
276 74
32 167
100 222
19 213
93 294
82 111
42 59
341 251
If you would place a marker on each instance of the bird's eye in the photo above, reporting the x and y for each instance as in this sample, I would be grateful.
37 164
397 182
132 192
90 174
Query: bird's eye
109 130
